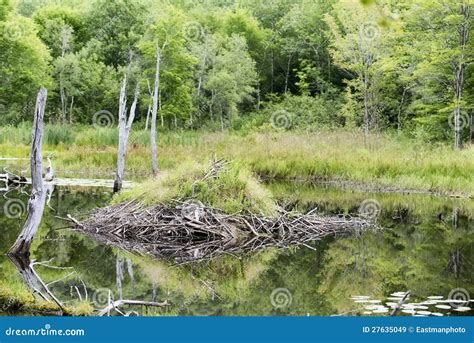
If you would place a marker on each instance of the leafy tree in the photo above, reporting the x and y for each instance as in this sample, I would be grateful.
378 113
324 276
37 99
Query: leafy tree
23 66
356 46
232 78
118 25
241 22
53 20
440 42
176 71
303 35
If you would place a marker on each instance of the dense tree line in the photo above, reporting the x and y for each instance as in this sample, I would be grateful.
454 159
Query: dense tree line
378 65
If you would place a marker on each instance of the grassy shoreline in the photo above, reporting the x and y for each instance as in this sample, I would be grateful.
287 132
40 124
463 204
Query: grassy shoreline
380 159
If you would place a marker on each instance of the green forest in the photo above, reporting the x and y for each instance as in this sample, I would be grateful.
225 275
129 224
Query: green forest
237 157
375 66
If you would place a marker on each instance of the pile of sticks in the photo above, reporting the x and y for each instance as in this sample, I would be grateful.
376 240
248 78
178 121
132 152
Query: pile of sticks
189 231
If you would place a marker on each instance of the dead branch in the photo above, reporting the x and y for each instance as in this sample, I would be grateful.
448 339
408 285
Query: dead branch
119 303
400 303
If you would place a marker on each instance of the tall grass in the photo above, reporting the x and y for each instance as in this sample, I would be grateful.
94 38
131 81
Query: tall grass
15 135
388 160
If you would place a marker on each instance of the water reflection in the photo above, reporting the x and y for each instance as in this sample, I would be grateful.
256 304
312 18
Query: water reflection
426 246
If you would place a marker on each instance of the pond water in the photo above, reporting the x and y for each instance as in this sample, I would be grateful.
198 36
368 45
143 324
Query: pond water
424 245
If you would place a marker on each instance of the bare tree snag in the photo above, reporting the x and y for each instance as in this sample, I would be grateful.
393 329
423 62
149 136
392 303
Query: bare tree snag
149 106
124 131
472 127
458 69
154 163
154 111
38 195
121 148
147 117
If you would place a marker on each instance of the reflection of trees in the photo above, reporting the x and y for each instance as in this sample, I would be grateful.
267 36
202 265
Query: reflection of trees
416 250
32 280
65 247
207 287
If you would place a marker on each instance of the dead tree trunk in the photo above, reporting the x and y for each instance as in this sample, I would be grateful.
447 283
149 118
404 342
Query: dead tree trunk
287 74
38 194
122 143
458 73
119 276
366 104
131 274
149 106
124 131
147 117
154 163
472 127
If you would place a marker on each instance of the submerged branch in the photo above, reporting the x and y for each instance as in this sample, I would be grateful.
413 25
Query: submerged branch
119 303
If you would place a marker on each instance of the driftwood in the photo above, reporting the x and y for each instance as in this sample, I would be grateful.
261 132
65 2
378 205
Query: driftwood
38 194
189 231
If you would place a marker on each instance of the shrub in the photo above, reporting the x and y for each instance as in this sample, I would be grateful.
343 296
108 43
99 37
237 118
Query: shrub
295 112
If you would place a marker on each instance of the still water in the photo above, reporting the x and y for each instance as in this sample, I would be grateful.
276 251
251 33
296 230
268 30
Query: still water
424 245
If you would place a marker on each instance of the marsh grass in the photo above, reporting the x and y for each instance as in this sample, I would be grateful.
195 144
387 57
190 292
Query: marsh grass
383 159
234 190
304 196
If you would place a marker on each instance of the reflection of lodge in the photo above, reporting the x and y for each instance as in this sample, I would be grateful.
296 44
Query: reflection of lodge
8 179
4 180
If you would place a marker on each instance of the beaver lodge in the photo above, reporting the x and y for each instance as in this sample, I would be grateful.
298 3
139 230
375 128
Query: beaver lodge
159 223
